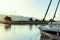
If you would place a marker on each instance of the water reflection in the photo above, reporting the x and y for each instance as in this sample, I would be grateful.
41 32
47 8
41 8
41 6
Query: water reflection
7 26
30 28
19 32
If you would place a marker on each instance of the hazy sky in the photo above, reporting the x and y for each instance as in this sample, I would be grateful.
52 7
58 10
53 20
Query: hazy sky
31 8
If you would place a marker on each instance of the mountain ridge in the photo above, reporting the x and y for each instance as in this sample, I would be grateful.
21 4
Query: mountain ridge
16 17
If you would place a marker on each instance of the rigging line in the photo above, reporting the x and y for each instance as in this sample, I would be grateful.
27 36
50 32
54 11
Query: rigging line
47 9
56 10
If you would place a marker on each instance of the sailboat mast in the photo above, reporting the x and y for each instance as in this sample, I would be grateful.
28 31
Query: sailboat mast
56 9
47 10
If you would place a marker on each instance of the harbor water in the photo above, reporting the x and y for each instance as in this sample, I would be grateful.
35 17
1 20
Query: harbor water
19 32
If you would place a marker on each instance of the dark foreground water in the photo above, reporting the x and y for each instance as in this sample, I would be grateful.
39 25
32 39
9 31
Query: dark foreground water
19 32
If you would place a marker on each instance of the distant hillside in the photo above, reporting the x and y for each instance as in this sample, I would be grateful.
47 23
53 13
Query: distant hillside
19 18
15 17
2 17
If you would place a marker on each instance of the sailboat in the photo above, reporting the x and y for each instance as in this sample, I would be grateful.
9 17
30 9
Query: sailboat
52 33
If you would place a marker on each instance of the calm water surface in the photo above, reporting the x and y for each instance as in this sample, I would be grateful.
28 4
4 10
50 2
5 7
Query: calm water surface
19 32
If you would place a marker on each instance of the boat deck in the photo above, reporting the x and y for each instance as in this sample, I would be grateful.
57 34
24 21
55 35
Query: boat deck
47 36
